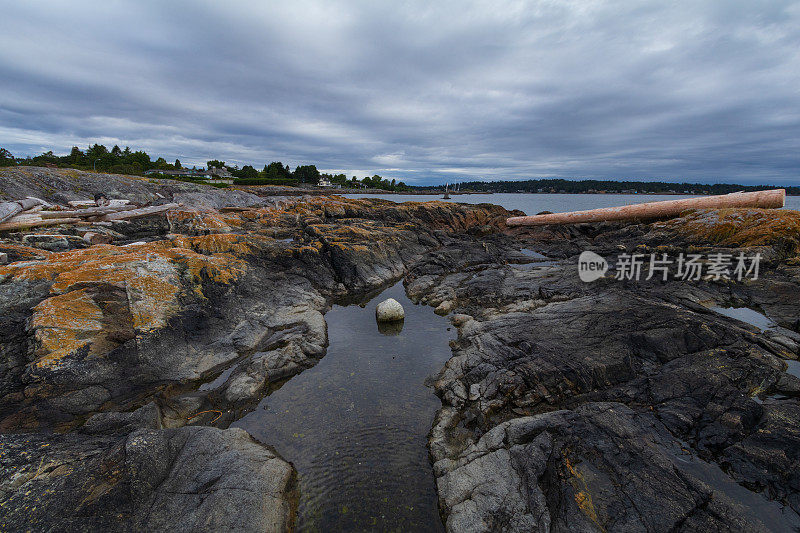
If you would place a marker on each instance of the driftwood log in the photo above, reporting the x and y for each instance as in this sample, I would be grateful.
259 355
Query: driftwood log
10 209
138 213
85 213
670 208
22 222
20 214
92 203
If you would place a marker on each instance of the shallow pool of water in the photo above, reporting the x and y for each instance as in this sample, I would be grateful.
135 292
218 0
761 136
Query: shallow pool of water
748 316
793 367
355 426
756 507
762 322
538 260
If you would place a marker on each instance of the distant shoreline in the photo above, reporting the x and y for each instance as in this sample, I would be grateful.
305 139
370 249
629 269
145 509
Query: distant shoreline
439 193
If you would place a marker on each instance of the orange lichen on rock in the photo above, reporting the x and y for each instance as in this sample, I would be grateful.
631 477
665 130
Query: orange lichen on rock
23 252
738 227
365 237
582 496
64 324
216 243
152 275
203 221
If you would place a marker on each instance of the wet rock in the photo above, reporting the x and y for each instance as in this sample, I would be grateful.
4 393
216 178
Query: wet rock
191 478
541 347
460 319
147 416
389 310
204 478
445 307
562 404
572 471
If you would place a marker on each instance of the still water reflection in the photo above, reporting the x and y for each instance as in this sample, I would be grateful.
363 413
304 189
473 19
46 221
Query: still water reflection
355 425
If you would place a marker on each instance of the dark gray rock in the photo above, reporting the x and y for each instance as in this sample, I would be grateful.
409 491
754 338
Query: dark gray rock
538 345
600 467
191 479
217 199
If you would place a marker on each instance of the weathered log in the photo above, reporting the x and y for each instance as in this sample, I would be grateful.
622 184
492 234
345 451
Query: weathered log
86 213
92 203
10 209
82 203
23 217
670 208
25 223
141 212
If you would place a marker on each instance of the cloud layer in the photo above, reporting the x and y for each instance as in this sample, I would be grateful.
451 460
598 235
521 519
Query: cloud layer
691 90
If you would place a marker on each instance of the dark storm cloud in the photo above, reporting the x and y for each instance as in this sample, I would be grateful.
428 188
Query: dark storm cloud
689 90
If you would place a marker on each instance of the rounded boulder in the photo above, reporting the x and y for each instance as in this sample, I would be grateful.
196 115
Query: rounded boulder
389 311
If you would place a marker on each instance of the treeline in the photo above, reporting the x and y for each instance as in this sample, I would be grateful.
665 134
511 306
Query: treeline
608 186
126 161
96 157
276 171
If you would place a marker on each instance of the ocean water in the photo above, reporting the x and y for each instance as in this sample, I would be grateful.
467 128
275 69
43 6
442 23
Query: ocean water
557 203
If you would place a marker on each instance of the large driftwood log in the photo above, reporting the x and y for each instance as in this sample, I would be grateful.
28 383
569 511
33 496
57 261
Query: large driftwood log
86 213
10 209
142 212
32 221
670 208
92 203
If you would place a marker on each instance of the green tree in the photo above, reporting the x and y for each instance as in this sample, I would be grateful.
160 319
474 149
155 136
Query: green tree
215 163
6 159
246 171
76 157
96 151
276 170
178 165
307 174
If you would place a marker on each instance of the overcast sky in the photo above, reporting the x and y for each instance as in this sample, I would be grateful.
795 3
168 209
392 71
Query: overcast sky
694 90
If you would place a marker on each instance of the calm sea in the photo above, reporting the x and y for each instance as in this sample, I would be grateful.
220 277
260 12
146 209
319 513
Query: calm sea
557 203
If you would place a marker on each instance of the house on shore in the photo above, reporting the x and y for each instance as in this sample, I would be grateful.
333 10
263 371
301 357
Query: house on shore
220 173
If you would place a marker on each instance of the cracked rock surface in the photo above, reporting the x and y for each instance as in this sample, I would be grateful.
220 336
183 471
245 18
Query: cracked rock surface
122 365
617 405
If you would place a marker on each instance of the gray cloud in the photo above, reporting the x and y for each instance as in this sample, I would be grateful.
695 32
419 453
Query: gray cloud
426 93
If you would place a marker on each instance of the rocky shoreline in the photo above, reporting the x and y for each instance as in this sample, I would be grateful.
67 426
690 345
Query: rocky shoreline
618 405
608 406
